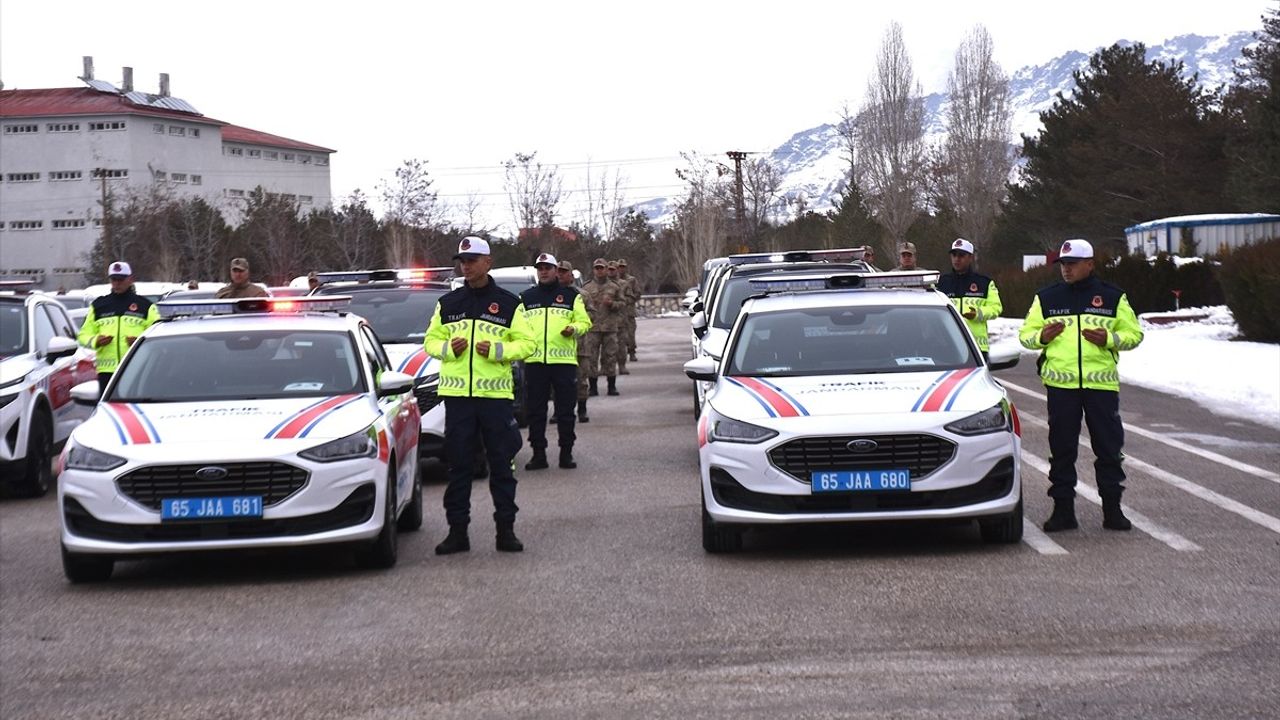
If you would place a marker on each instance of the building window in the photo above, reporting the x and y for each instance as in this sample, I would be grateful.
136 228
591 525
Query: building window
106 126
196 180
287 157
304 159
158 175
69 271
306 199
255 153
180 178
228 150
67 224
322 160
63 127
26 224
110 174
157 128
194 132
21 129
64 175
97 222
22 177
270 155
235 193
177 130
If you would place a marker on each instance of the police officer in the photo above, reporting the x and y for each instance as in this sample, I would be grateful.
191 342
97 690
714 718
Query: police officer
604 303
973 294
632 285
477 331
240 287
115 321
1080 326
906 256
557 317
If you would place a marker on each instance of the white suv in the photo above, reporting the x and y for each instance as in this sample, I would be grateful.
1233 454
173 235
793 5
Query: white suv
854 397
40 362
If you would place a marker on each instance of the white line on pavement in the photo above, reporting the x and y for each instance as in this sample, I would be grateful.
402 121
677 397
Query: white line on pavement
1140 521
1255 516
1151 435
1038 541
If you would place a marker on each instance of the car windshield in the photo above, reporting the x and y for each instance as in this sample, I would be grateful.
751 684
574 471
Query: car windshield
734 290
850 340
13 329
254 364
397 314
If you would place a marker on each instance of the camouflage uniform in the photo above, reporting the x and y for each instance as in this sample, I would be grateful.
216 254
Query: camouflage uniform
600 346
627 345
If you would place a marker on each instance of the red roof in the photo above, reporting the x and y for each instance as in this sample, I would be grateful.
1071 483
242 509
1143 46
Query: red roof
235 133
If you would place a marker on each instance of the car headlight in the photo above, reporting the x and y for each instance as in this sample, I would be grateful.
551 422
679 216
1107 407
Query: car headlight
723 429
993 419
16 381
80 457
355 445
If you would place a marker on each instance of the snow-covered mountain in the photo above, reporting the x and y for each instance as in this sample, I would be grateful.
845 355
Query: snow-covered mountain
813 165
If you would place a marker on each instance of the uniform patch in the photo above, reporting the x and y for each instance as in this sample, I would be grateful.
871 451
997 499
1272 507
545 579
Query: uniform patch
1097 301
559 298
493 308
133 307
973 287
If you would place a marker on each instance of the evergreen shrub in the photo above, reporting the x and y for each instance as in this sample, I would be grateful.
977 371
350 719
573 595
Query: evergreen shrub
1251 283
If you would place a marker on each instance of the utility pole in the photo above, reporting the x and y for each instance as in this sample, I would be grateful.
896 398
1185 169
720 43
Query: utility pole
739 205
107 250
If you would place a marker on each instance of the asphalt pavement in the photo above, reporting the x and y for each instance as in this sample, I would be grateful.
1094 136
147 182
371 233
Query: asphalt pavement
615 610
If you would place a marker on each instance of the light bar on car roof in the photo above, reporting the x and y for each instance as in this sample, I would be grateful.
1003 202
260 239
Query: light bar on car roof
308 303
846 281
344 276
838 255
430 273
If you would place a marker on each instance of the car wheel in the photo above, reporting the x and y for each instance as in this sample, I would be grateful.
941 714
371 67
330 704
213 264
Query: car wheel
384 550
1004 529
411 518
82 568
37 476
718 538
697 404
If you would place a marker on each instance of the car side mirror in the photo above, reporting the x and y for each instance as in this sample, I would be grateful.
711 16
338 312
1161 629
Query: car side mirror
701 368
394 383
86 393
699 323
697 307
59 347
1003 358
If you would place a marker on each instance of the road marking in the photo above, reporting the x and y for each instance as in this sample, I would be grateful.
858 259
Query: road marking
1255 516
1206 454
1038 541
1140 521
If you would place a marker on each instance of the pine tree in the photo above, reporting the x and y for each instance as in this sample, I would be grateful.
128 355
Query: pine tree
1254 108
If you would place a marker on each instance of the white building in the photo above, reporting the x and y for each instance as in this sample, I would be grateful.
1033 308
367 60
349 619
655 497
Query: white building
1209 233
63 149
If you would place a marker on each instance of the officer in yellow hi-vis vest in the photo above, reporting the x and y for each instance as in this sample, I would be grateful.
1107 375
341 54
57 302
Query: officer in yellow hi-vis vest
1080 326
115 321
557 317
477 331
974 295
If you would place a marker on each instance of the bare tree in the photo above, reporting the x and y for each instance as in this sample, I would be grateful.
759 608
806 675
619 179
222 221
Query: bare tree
976 158
847 131
761 181
355 234
701 223
606 202
411 207
468 218
890 139
533 190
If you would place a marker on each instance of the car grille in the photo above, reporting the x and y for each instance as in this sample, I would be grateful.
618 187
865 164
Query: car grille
921 454
427 397
274 481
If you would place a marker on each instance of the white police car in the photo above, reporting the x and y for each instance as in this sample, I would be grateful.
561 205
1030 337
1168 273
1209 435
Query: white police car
854 398
243 424
40 362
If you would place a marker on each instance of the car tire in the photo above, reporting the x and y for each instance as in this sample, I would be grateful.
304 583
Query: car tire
83 568
411 519
37 475
1003 529
383 552
697 404
719 538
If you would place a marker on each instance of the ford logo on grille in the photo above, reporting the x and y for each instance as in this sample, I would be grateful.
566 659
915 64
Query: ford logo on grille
862 445
211 473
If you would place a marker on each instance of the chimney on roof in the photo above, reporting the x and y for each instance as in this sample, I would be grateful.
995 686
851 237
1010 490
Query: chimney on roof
164 84
127 82
88 68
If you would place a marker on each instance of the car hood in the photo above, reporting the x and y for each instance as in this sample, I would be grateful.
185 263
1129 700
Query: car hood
16 366
963 391
411 360
236 423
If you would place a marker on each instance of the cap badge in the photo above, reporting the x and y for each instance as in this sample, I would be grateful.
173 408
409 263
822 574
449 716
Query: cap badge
465 245
1066 247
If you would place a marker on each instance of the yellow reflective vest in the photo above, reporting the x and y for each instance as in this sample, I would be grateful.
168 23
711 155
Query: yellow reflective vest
478 314
972 291
549 309
1069 360
121 316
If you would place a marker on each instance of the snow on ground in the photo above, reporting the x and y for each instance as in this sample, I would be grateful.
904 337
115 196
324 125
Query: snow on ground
1197 360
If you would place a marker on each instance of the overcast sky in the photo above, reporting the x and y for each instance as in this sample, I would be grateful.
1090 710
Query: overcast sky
465 84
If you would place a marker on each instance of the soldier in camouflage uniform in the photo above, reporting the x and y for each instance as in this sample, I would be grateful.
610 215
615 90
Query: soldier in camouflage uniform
567 280
605 304
633 284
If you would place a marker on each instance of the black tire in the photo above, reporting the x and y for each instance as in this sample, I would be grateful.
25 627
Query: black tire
1003 529
83 568
411 519
383 552
697 404
719 538
37 475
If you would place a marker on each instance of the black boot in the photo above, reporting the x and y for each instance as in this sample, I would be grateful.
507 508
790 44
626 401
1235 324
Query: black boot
456 542
595 388
582 412
566 458
631 356
507 540
613 385
538 461
1063 517
1113 517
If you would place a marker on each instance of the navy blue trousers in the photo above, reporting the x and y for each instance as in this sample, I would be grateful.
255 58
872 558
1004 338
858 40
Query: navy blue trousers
1101 411
542 382
465 420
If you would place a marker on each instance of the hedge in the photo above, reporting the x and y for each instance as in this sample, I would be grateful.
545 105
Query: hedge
1251 281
